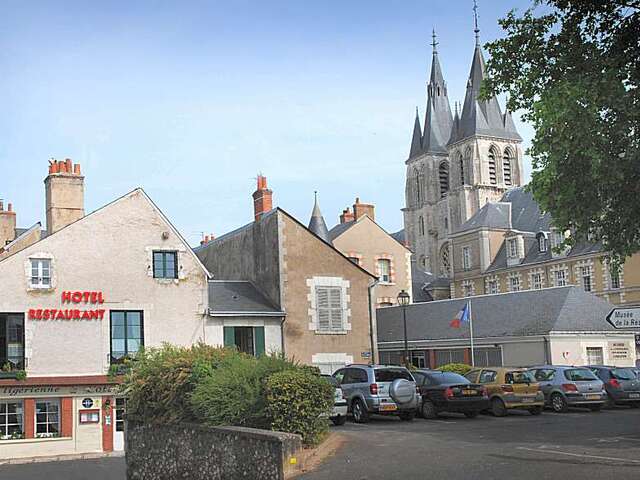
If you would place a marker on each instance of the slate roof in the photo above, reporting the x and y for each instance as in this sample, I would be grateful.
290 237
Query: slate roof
317 224
438 120
531 312
422 283
399 236
525 211
491 215
340 228
239 297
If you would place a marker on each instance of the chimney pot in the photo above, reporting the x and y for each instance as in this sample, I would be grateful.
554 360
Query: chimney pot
360 209
10 207
262 198
76 169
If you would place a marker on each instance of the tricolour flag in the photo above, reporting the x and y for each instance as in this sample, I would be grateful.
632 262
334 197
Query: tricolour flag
461 317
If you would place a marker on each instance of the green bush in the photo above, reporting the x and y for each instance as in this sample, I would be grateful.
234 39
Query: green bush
461 368
298 401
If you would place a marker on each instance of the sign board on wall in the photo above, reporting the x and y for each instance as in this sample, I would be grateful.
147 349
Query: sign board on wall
625 318
57 391
619 351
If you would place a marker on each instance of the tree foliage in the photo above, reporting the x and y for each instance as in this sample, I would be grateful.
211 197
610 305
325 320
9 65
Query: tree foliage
573 68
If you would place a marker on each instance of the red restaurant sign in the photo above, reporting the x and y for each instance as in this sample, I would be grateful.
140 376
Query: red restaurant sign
93 298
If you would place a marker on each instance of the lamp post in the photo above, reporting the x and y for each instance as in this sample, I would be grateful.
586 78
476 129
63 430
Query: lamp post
403 301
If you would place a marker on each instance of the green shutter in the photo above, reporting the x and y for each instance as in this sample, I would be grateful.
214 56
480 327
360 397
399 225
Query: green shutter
229 336
258 335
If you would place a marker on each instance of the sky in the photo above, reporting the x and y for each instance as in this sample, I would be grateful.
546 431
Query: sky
190 100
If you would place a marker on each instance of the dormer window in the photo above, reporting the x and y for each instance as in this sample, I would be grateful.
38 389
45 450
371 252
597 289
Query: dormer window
542 242
512 248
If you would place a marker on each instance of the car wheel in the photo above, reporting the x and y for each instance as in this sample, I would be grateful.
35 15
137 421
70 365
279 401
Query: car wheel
558 403
535 410
498 408
429 409
339 420
471 414
595 408
360 412
407 416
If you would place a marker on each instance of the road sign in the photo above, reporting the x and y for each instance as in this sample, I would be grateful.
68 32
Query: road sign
625 317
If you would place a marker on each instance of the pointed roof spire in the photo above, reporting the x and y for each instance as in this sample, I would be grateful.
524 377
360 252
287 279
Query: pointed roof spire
438 119
480 117
317 224
416 139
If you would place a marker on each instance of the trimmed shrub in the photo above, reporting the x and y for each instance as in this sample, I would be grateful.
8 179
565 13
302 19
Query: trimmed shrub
461 368
298 401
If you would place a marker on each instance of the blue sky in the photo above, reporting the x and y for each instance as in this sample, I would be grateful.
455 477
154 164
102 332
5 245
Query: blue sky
190 100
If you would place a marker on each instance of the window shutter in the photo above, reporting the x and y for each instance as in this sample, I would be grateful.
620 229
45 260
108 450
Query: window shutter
258 336
335 303
322 307
229 336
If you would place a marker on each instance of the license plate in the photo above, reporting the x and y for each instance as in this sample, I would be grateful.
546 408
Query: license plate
592 397
634 395
528 400
388 408
469 392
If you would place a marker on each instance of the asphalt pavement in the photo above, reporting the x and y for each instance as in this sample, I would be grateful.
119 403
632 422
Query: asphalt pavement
578 444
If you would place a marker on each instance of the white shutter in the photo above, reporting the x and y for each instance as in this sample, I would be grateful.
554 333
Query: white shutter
322 308
335 304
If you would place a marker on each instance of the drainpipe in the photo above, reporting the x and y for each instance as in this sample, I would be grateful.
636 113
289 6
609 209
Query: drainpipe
369 290
282 336
547 354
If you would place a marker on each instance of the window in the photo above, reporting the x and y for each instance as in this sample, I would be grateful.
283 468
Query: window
492 287
556 239
560 278
466 258
12 340
389 374
384 270
249 340
492 166
11 420
544 374
443 176
512 248
585 273
514 284
47 418
165 265
542 243
506 167
449 356
579 375
488 376
329 309
421 225
127 334
467 288
40 273
356 375
418 189
391 358
462 179
418 359
536 281
444 259
355 260
487 357
615 280
595 356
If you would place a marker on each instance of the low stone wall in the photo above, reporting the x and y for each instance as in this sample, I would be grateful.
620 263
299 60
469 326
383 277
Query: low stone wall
196 452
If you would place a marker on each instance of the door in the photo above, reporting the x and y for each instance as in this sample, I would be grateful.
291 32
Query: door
118 425
545 378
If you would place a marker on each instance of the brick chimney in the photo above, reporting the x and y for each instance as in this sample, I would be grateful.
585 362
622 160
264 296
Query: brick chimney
64 191
347 216
7 224
262 198
361 209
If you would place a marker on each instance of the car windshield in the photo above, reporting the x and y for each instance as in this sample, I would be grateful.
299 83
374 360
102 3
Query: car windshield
579 375
623 373
391 374
519 377
448 377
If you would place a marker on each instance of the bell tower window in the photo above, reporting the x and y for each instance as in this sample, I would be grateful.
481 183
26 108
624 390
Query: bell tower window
506 167
443 175
492 166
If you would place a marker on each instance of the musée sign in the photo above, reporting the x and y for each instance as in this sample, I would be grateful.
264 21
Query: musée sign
87 298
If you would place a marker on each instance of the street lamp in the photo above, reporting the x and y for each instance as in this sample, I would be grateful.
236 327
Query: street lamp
403 301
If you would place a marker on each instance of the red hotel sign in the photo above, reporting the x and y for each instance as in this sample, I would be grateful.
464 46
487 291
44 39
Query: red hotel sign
87 298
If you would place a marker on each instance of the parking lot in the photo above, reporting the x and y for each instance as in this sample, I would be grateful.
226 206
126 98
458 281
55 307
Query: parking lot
578 444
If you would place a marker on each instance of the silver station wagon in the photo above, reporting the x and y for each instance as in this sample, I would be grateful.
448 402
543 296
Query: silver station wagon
565 387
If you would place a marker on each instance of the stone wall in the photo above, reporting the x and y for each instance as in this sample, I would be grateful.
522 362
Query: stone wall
159 452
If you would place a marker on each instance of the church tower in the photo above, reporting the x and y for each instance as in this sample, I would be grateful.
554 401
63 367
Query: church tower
426 211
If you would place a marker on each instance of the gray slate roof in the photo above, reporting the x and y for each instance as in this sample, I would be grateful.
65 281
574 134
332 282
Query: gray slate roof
531 312
317 224
481 117
238 297
438 120
399 236
340 228
491 215
416 138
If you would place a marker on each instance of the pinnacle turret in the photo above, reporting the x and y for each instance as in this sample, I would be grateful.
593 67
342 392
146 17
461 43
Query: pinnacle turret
317 224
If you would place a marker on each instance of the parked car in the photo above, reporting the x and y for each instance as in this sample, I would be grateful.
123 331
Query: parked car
622 384
339 414
565 387
449 392
380 389
509 388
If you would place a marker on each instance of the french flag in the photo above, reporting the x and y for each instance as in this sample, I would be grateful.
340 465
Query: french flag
461 317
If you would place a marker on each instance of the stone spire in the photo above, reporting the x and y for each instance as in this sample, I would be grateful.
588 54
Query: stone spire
438 119
317 224
481 117
416 138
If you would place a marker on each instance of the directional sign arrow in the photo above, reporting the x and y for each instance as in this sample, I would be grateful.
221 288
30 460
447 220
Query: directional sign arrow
623 318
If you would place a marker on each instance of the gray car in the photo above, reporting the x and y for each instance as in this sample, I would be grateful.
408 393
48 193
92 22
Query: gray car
565 387
622 384
379 389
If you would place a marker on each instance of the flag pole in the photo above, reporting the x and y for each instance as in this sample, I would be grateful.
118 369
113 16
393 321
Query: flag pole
473 359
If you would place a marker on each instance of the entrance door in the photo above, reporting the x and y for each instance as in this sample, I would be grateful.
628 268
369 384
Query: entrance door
118 425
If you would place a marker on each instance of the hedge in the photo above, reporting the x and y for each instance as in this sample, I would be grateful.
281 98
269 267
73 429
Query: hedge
461 368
